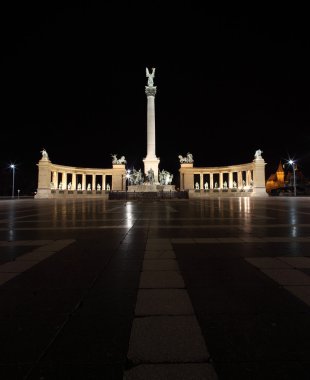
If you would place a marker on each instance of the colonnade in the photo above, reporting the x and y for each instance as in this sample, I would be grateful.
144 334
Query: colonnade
245 177
54 179
97 182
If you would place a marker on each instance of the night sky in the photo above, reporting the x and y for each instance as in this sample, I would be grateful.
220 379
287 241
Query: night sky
229 82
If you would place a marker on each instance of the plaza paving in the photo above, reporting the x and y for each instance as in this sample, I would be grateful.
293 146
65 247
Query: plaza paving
169 289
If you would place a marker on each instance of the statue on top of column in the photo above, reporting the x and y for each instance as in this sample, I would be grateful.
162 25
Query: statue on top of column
258 154
150 77
44 154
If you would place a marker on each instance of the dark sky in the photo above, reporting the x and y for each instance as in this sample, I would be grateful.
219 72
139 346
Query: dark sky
229 82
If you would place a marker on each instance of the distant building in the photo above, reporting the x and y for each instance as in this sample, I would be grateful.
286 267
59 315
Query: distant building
282 178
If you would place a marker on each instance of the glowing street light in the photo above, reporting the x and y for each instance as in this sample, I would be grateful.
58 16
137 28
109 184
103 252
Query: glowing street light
12 166
293 164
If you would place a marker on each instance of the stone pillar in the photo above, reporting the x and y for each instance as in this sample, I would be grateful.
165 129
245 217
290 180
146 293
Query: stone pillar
186 177
83 181
259 180
93 187
55 179
221 180
74 185
64 180
44 178
211 181
151 161
239 179
248 177
201 180
118 175
103 182
230 180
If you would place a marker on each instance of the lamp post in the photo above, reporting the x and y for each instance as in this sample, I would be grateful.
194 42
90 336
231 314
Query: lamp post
127 180
292 163
12 166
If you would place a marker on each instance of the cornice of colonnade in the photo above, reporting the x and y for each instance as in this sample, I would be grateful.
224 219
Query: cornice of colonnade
217 169
81 170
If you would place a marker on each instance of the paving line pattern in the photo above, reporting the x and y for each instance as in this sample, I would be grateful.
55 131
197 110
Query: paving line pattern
24 262
166 340
287 272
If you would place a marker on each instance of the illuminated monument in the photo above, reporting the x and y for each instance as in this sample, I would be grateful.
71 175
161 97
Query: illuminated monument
151 161
61 181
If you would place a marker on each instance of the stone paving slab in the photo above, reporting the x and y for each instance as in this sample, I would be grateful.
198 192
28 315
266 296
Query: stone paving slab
161 279
267 263
4 277
160 264
34 256
166 339
192 371
297 262
25 243
287 276
302 292
163 302
16 266
159 255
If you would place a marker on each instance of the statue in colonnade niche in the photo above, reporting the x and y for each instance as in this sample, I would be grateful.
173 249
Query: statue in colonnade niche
89 187
206 186
234 184
79 186
69 186
108 187
197 186
60 186
98 187
225 185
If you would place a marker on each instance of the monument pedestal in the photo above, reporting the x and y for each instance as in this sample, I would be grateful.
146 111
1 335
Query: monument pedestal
150 188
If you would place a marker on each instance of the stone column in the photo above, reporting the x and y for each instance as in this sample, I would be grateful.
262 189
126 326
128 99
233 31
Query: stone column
211 181
248 177
93 187
151 161
103 182
230 180
201 181
74 185
239 179
83 181
55 179
64 180
221 180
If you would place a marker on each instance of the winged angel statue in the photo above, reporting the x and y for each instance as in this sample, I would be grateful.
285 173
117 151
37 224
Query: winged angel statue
150 76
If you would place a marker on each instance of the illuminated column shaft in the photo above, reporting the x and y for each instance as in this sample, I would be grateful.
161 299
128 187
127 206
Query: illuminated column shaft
150 92
151 161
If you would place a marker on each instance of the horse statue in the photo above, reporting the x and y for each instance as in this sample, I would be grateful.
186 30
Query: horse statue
186 160
118 161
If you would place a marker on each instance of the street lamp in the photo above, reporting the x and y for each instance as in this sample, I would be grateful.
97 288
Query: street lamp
12 166
127 180
292 163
